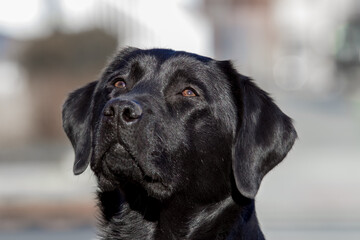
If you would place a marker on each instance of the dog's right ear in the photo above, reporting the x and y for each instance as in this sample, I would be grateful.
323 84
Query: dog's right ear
77 117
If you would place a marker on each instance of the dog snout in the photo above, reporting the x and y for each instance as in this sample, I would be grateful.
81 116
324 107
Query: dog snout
126 111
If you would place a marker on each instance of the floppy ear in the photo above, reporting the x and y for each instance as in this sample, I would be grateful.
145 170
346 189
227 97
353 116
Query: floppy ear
77 115
264 133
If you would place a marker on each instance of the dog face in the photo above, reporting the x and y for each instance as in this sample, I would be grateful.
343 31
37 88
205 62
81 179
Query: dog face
174 122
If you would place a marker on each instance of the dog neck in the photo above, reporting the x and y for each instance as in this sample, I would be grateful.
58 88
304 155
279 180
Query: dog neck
138 216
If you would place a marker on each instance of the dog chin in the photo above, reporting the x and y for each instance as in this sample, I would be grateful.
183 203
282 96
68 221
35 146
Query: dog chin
105 184
158 190
110 179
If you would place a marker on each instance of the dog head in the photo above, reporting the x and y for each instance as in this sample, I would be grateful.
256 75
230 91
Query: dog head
172 121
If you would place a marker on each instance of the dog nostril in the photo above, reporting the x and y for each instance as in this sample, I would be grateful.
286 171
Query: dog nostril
109 111
131 114
125 111
127 115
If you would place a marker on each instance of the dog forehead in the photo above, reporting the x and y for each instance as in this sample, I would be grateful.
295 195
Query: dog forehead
165 61
162 65
153 56
163 55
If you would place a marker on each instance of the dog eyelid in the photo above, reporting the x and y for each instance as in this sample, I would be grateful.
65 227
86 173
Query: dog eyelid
189 92
120 83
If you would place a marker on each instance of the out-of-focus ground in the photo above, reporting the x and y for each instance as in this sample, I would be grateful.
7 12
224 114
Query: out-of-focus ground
306 54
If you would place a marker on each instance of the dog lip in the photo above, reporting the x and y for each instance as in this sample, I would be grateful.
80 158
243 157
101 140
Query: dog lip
148 178
145 176
101 151
151 179
155 180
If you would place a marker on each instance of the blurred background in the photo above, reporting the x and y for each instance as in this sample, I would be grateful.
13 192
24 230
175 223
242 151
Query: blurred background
305 53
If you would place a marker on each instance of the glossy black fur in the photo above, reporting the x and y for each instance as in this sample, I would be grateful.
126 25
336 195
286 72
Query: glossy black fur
171 166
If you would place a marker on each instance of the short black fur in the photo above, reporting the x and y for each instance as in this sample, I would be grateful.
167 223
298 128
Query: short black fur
179 148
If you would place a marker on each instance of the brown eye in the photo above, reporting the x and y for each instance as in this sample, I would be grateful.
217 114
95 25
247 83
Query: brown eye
188 92
120 84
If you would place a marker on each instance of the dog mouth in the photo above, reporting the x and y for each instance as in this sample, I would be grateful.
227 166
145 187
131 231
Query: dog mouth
119 163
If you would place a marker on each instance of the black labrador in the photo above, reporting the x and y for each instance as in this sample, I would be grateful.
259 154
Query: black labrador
179 144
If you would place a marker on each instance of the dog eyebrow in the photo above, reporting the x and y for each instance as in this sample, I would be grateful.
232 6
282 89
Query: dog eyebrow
136 71
182 74
189 79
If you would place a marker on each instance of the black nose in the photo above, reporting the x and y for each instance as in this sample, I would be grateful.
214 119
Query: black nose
126 111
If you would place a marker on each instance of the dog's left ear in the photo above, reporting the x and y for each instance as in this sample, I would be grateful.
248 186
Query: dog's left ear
77 115
264 133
